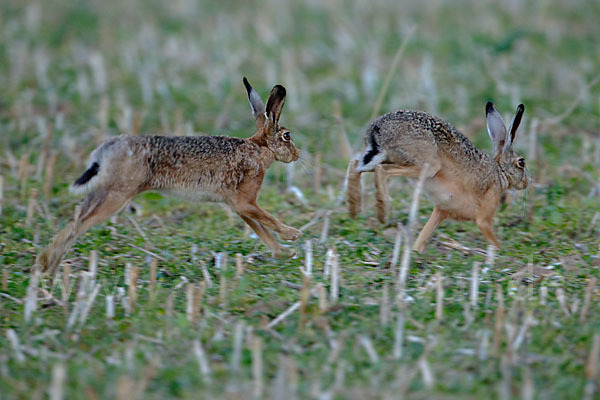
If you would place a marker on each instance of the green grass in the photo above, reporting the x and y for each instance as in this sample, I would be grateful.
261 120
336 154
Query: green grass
176 67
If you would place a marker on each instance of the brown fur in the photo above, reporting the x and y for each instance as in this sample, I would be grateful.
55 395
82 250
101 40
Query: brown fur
213 168
463 182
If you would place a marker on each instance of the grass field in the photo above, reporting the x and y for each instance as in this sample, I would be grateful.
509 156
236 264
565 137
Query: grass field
523 323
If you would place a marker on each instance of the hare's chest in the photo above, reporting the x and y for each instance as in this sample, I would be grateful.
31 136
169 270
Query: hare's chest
450 197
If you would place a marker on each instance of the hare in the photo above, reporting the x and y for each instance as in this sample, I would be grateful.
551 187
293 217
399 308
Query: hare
214 168
463 182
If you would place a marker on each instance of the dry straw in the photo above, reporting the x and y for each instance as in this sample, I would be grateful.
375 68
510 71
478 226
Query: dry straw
202 360
304 297
325 230
439 303
206 275
238 339
384 308
587 299
591 369
239 265
93 265
408 242
79 300
399 334
31 206
31 296
499 319
335 278
475 284
5 279
322 292
190 312
223 290
88 305
66 286
110 307
59 377
23 173
1 192
153 267
132 288
397 246
257 367
13 339
49 175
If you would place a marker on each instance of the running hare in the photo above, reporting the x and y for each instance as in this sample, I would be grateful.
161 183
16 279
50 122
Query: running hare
213 168
463 182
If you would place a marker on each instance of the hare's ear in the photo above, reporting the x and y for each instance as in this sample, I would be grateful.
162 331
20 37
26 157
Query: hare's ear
258 107
275 103
514 125
496 128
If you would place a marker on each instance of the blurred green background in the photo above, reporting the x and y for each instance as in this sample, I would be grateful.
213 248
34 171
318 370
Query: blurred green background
73 73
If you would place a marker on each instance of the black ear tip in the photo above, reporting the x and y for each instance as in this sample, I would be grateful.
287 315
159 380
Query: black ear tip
280 90
521 108
247 84
489 107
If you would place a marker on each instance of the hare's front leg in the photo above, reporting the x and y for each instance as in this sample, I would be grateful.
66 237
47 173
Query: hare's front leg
268 239
437 216
251 210
264 218
485 218
486 226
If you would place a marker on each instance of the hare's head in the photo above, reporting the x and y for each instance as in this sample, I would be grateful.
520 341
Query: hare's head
268 131
511 163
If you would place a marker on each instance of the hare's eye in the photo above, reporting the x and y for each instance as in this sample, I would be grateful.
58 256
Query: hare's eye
521 162
286 136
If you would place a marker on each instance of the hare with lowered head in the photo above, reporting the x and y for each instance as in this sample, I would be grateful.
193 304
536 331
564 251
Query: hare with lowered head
463 182
213 168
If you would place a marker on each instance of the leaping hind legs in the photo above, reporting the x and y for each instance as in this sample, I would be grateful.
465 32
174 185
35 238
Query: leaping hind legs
97 207
353 188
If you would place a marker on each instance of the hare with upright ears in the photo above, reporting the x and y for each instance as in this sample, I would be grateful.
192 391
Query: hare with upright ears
463 182
214 168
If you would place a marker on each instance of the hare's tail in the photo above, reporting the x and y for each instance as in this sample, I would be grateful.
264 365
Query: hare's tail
87 180
373 155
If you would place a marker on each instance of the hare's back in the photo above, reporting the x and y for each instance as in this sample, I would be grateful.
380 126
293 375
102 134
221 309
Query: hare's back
200 163
188 149
419 137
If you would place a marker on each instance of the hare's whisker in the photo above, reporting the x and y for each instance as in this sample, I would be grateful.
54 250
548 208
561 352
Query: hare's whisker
306 161
306 171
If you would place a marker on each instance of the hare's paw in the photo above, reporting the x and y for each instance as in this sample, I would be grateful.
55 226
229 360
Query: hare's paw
284 253
290 233
44 260
47 261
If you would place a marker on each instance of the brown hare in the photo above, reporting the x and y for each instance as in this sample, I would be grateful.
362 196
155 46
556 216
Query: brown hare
463 182
214 168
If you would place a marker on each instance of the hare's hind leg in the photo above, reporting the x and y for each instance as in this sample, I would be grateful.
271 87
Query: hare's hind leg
382 172
437 216
353 189
97 207
382 196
